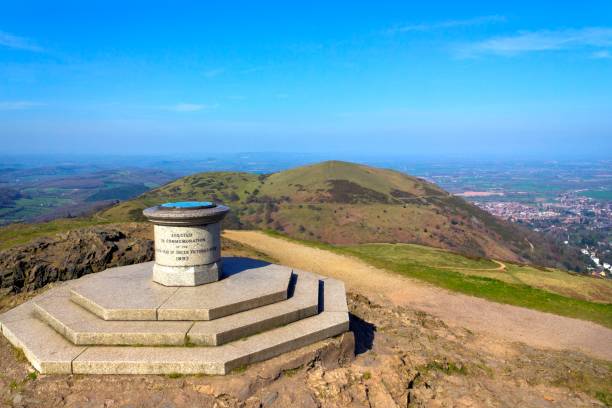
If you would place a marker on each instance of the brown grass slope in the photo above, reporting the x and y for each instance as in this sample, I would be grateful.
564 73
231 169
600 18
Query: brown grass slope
346 203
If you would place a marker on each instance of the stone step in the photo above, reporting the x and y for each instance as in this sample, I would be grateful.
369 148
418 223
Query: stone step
49 352
211 360
303 303
81 327
246 284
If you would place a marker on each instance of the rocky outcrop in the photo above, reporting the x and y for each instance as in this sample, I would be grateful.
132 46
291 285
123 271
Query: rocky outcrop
73 254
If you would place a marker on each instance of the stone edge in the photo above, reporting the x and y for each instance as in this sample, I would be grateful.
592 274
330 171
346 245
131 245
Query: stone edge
44 366
112 314
304 308
219 360
170 314
92 338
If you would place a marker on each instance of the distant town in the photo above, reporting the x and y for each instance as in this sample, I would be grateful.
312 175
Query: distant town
581 220
570 201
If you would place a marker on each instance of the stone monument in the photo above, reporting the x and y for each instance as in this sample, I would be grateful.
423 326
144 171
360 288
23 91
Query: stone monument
182 313
187 242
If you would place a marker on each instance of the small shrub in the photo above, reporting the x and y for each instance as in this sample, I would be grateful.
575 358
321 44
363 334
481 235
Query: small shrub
174 375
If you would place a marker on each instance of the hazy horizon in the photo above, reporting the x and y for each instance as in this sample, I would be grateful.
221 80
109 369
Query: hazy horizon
41 159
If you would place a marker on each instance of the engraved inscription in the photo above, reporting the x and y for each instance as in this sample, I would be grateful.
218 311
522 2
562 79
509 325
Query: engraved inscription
187 246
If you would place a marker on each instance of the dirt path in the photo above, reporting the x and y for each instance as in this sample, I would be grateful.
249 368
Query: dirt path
530 245
501 267
504 322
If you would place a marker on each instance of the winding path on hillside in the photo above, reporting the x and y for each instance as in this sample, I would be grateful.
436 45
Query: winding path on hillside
503 322
501 267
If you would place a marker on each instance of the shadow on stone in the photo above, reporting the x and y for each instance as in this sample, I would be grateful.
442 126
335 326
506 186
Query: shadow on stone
233 265
292 283
321 296
364 333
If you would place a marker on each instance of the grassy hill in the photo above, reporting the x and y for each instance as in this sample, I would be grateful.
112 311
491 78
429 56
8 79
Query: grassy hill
346 203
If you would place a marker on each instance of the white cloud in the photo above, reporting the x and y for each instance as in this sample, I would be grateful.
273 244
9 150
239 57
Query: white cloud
212 73
538 41
17 105
603 54
189 107
446 24
19 43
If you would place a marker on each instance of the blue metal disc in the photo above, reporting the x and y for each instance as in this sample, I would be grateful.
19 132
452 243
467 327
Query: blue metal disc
189 204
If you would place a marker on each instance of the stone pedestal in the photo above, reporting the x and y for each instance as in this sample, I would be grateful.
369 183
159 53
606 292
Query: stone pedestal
187 242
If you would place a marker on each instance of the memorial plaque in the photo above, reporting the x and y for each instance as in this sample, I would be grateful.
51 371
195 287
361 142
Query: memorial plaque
187 242
186 246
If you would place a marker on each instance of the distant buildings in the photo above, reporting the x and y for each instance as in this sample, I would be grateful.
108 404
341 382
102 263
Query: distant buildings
570 214
568 209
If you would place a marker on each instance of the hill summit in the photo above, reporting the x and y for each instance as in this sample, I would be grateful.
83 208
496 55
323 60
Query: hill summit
346 203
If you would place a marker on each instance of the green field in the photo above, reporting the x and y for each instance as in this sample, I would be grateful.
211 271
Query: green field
547 290
118 191
26 208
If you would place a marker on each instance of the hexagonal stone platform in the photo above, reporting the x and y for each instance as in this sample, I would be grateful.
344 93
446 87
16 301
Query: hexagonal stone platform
50 328
82 327
246 284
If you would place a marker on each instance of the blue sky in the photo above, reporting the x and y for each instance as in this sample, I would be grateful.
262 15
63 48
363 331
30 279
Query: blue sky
441 78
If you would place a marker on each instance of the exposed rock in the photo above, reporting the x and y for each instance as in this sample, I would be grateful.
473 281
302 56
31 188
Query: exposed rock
73 254
269 399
